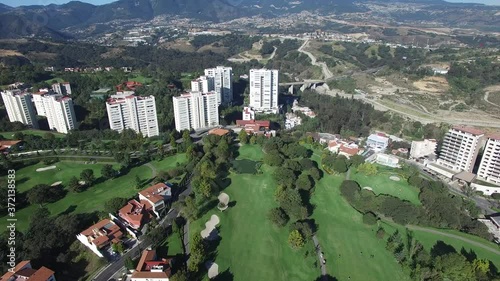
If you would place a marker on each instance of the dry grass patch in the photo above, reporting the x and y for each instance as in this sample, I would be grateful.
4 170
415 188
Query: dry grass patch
8 53
433 85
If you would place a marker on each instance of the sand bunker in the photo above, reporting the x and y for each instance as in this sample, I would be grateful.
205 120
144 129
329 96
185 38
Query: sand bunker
46 168
210 232
56 183
394 178
368 188
223 201
213 269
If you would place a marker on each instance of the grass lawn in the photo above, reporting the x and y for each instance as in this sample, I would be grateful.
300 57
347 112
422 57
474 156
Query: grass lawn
85 202
141 79
171 246
58 79
342 232
10 135
169 162
249 241
382 184
430 239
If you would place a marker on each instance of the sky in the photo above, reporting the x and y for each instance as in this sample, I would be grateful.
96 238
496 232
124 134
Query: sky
15 3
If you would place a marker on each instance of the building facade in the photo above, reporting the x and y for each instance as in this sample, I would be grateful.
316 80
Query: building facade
378 142
60 113
126 111
20 108
264 87
101 235
196 110
203 84
489 169
248 114
423 148
222 82
460 148
63 88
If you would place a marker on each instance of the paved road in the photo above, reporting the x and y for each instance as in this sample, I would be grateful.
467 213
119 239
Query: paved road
320 259
472 242
118 265
327 74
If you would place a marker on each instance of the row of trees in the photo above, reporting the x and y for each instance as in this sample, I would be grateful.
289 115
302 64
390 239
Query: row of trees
443 262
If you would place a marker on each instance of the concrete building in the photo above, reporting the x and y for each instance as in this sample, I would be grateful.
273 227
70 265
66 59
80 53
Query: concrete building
460 148
60 113
126 111
378 142
489 169
203 84
387 160
223 84
19 107
196 110
248 114
423 148
63 88
23 271
264 87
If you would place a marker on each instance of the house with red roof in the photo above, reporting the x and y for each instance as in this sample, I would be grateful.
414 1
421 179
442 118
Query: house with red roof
5 145
155 198
23 271
101 235
151 268
135 214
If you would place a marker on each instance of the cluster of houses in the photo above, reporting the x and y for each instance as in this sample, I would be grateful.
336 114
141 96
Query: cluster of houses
293 119
88 69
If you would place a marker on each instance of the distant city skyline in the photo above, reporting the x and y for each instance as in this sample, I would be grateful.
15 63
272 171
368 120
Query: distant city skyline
16 3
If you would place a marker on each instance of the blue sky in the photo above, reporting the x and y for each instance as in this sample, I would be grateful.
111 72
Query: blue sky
15 3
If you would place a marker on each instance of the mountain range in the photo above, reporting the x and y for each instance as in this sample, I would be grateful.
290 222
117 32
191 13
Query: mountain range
50 20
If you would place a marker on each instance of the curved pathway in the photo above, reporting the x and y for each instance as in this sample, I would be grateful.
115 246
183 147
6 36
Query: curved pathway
486 99
153 169
326 71
472 242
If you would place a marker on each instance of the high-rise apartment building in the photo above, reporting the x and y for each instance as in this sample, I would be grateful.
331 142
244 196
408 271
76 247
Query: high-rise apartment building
203 84
222 81
460 148
489 169
60 112
63 88
126 111
38 100
20 107
264 90
196 110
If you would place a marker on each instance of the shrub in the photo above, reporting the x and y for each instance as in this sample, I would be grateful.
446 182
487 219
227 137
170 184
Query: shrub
296 240
380 233
369 218
495 196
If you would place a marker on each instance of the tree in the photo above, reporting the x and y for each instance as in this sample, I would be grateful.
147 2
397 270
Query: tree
304 182
204 188
180 275
42 193
87 176
114 204
278 217
315 173
118 247
291 202
292 165
340 165
243 137
198 253
369 218
295 240
454 266
356 160
306 164
284 176
253 139
273 158
368 169
129 263
107 171
304 227
138 182
74 184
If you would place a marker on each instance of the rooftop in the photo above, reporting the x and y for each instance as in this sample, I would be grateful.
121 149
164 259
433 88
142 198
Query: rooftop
465 176
23 271
150 267
261 123
156 192
218 132
103 232
469 130
134 213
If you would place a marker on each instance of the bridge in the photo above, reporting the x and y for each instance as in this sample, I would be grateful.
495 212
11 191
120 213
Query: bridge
304 85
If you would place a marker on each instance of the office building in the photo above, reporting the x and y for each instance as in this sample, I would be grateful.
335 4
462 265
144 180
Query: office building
63 88
203 84
126 111
423 148
489 169
222 81
264 90
196 110
19 107
460 148
60 112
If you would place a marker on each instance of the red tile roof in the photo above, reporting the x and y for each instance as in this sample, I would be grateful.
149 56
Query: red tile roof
43 274
218 132
261 123
348 150
148 262
23 269
134 213
153 193
102 233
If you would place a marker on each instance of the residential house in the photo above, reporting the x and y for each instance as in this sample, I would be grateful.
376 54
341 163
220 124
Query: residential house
5 145
23 271
151 268
219 132
387 160
156 197
134 214
378 141
256 127
100 235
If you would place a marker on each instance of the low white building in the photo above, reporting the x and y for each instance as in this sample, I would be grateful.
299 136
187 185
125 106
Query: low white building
387 160
292 121
378 142
248 114
423 148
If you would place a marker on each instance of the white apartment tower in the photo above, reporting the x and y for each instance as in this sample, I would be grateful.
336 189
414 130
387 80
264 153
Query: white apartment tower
196 110
20 107
460 148
489 169
127 111
63 88
264 90
60 113
222 81
203 84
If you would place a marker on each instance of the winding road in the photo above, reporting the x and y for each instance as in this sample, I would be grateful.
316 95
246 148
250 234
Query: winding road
487 95
437 232
327 74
